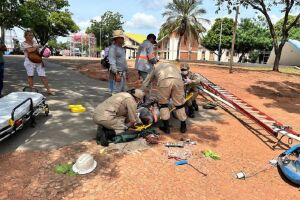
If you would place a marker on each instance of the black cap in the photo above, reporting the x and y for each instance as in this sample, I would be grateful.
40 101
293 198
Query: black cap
151 35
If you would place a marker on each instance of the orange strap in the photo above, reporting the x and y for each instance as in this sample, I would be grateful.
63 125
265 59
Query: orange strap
150 56
143 57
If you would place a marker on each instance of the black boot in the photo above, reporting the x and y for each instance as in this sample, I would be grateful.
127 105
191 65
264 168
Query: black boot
101 137
195 105
110 134
183 127
165 127
191 112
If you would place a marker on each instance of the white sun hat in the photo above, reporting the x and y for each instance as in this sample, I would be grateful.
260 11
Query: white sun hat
84 164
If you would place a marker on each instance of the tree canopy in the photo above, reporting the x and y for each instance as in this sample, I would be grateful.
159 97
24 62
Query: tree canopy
109 22
184 17
251 36
211 40
294 32
47 19
265 8
10 13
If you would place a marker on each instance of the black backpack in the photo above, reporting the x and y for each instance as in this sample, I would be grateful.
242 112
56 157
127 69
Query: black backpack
105 62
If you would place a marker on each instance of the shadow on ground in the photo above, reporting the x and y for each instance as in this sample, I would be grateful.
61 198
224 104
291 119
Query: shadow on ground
285 95
38 180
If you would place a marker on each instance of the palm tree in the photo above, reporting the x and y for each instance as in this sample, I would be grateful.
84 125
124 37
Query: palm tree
183 17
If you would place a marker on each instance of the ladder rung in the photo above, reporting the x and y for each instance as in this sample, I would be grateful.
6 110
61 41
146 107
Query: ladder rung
268 121
260 116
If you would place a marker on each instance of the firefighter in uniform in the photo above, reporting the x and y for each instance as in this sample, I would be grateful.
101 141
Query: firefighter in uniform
191 81
170 86
116 114
145 57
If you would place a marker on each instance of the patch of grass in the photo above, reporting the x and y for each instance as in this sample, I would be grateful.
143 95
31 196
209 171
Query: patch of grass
286 70
65 169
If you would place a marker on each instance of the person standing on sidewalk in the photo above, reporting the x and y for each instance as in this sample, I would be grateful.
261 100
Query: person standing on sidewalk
31 46
145 57
118 64
170 86
2 49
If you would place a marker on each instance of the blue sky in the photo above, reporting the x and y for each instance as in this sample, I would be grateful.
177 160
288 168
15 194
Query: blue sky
140 16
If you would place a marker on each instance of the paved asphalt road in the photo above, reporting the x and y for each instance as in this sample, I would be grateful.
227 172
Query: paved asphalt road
61 127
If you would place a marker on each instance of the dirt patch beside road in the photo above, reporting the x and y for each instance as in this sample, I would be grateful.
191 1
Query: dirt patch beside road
149 174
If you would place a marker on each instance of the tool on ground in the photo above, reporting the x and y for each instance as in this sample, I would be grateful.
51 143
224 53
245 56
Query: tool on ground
78 108
271 125
243 175
181 162
141 127
188 141
173 144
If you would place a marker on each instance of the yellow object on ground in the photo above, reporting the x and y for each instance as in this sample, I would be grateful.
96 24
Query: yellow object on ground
77 108
140 127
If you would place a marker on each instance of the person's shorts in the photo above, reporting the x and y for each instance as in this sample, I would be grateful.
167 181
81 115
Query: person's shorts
30 66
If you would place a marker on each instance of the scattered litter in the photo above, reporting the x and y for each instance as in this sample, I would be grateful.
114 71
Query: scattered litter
173 144
188 141
210 105
65 169
102 151
241 175
179 154
181 162
273 162
152 139
213 155
78 108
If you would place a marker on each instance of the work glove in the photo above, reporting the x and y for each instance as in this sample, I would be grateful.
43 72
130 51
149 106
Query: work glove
188 81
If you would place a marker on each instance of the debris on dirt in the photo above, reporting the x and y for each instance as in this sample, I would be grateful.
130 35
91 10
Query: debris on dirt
211 154
174 144
65 169
179 154
210 105
188 141
181 162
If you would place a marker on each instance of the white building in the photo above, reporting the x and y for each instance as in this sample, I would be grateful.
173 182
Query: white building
290 54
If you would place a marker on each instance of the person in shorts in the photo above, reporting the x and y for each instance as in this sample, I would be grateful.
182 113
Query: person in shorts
28 46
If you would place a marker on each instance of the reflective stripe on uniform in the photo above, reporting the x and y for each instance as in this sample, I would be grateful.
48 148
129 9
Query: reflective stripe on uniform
142 57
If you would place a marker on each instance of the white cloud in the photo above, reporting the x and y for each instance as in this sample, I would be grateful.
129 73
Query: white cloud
83 24
275 18
154 4
142 21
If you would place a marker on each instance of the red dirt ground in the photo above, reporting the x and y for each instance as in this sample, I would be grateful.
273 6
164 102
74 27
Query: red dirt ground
150 175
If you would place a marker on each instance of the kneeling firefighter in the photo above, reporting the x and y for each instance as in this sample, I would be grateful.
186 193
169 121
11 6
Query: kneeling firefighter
191 81
116 114
170 86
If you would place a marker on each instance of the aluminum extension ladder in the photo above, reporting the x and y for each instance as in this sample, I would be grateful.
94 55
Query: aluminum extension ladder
269 124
